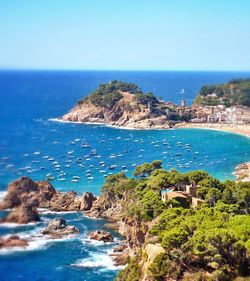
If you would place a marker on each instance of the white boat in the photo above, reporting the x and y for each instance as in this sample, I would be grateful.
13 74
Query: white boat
61 179
85 145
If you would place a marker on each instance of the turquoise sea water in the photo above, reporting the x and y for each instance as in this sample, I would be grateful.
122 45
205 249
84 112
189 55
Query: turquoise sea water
79 157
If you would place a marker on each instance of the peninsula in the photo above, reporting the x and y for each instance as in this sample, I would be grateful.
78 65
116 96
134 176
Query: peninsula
119 104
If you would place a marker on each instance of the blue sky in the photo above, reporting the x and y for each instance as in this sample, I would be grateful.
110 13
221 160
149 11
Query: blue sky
125 34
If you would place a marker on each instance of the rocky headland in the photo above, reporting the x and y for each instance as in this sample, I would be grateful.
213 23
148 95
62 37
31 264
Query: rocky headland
173 240
122 105
168 239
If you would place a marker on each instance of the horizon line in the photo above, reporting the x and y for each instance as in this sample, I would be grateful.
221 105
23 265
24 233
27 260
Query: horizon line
121 70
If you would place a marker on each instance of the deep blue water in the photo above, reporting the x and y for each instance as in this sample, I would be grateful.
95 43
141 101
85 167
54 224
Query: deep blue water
28 140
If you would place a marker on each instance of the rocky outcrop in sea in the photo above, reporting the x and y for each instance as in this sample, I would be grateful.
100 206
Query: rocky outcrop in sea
58 228
101 235
41 194
13 241
23 214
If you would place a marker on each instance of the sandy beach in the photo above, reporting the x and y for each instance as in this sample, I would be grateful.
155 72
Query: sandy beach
242 129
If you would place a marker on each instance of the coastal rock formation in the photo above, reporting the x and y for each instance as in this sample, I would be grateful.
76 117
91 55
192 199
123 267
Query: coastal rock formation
120 254
242 172
111 206
13 241
107 206
22 215
101 235
58 228
134 231
43 195
86 201
65 202
119 104
150 251
26 191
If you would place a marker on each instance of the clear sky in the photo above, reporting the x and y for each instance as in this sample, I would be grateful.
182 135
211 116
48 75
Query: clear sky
125 34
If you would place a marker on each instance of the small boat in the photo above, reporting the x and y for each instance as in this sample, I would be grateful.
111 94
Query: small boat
85 145
61 179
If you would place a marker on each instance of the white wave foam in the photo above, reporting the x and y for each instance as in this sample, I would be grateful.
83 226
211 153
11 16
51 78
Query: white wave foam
96 260
99 124
15 225
36 241
32 246
47 212
2 195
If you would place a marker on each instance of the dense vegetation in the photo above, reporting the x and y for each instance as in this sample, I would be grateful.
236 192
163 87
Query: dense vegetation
211 241
107 95
235 92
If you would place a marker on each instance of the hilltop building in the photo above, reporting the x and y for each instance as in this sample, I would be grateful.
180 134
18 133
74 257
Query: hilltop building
188 196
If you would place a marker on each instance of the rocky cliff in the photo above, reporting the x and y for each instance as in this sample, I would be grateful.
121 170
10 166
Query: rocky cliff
242 172
119 104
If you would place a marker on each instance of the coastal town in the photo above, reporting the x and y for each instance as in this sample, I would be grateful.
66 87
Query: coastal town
120 104
209 113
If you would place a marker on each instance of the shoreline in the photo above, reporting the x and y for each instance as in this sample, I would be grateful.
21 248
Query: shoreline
107 125
239 129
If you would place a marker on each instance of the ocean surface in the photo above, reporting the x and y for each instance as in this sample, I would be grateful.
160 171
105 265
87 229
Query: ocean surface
79 157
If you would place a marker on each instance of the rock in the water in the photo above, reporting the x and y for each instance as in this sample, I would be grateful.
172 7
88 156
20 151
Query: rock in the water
58 227
101 235
26 191
22 214
13 241
65 202
87 201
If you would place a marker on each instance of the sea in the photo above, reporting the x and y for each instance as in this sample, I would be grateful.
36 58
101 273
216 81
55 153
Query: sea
79 157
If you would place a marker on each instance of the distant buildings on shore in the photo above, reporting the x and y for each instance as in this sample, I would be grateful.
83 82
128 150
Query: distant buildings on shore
221 114
207 113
